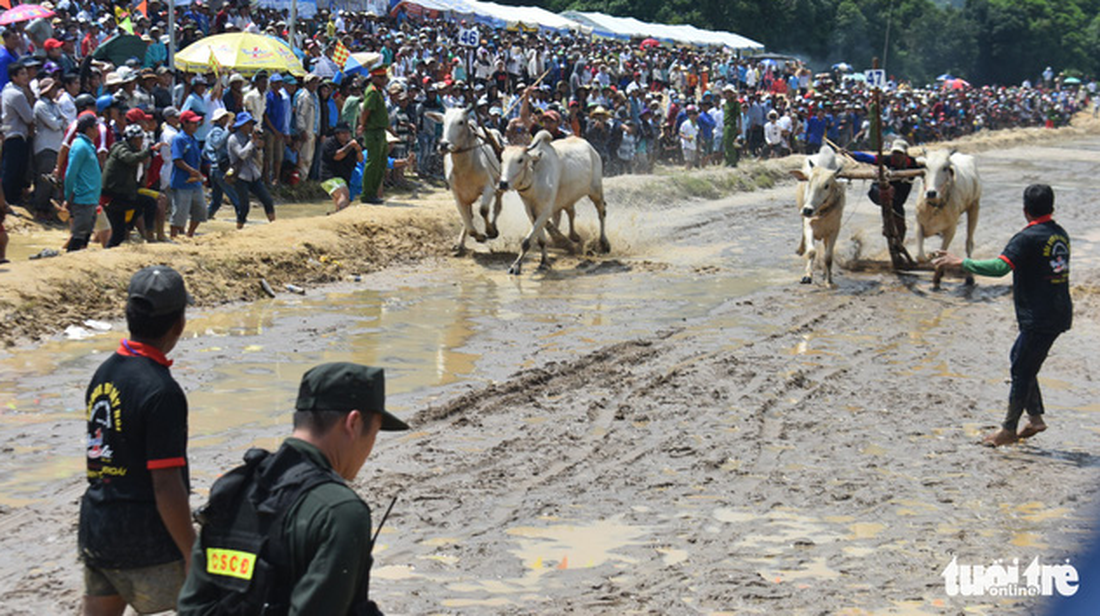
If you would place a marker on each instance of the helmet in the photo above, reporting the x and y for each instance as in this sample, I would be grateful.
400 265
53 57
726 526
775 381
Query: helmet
84 100
133 131
104 102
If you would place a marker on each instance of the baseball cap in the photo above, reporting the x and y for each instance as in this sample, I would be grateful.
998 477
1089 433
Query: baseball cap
52 43
344 386
190 116
161 288
137 115
170 112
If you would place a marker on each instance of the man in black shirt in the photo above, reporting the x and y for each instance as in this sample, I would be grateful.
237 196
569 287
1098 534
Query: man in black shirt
339 156
135 532
1038 257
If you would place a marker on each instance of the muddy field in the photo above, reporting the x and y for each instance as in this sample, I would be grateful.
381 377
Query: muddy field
678 428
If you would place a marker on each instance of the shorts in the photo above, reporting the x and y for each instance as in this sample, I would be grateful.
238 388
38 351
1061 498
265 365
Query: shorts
332 185
146 589
187 203
83 219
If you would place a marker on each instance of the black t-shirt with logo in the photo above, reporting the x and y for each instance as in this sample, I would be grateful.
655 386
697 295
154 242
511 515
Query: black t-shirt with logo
1039 256
332 168
137 422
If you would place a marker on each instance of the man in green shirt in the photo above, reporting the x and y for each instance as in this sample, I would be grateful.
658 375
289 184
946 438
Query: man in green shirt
732 126
373 122
285 534
353 101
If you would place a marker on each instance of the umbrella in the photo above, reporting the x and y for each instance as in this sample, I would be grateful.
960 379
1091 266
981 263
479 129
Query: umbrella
843 67
1071 81
120 48
944 77
649 42
360 63
956 84
243 52
24 12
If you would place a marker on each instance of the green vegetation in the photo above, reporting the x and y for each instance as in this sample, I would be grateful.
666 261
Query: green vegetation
985 41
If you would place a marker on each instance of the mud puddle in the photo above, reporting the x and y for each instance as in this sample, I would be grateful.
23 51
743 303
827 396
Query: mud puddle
431 327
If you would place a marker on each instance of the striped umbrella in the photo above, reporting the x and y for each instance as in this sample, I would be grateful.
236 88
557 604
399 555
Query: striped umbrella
24 12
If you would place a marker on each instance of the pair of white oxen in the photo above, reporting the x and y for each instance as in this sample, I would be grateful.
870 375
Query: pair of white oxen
951 187
550 177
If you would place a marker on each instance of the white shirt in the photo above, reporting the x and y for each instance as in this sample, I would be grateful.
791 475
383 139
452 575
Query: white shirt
688 132
773 135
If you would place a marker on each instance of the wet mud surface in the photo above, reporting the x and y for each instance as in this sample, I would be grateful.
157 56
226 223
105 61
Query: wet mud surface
678 428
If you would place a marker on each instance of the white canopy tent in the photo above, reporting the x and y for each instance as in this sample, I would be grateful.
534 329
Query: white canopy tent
492 14
628 27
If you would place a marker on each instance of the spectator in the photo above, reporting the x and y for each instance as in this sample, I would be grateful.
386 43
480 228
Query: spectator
120 184
245 148
216 153
186 179
18 126
50 128
275 137
83 183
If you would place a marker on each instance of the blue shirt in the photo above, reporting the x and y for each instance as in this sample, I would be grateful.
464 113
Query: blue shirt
185 148
197 104
6 58
83 180
276 110
706 125
815 130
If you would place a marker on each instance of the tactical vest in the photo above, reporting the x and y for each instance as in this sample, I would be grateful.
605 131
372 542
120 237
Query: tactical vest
244 552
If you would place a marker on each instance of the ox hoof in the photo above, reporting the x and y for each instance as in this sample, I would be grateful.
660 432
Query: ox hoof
479 238
514 270
807 280
969 281
575 238
492 233
605 246
458 250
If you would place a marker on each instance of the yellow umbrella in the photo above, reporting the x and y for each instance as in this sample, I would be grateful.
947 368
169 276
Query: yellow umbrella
242 52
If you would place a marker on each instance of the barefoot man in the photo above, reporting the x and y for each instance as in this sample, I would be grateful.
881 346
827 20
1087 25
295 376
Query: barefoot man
1038 257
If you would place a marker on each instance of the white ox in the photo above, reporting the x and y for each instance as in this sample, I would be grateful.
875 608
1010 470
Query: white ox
472 171
820 197
951 187
550 176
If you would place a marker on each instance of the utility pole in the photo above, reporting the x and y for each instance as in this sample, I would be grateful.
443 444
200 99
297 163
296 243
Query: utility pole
293 21
172 34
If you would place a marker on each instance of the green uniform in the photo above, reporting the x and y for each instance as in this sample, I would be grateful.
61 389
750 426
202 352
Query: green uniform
731 130
327 534
374 141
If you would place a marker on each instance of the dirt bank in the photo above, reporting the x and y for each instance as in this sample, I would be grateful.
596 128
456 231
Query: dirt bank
41 297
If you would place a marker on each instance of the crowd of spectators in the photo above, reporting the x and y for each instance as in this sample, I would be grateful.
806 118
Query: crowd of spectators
241 135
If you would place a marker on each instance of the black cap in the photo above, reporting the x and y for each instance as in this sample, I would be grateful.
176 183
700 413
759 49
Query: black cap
342 127
161 288
344 386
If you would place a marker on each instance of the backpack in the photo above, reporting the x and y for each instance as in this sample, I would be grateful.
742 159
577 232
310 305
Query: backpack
244 556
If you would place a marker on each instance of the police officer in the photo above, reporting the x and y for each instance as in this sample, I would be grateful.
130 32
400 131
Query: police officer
285 534
374 120
1038 257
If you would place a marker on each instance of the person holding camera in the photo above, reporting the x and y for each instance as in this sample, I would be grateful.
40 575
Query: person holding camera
245 147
